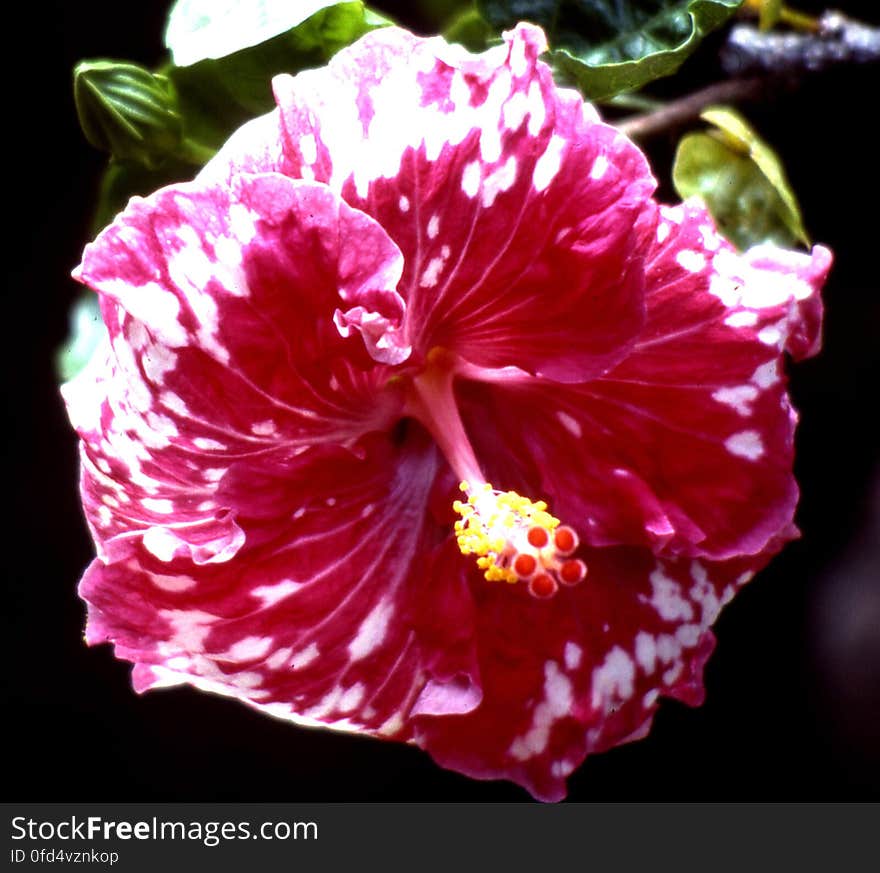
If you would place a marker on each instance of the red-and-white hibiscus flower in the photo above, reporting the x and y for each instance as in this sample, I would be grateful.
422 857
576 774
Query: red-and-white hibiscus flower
420 418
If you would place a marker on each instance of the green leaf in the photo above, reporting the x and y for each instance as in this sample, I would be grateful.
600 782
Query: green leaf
741 180
231 54
605 47
86 332
127 111
469 29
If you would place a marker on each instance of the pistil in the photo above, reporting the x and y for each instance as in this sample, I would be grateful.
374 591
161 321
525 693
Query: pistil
513 538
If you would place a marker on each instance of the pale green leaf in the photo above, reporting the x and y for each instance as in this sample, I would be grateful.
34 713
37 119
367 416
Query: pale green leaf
741 180
85 335
200 29
219 92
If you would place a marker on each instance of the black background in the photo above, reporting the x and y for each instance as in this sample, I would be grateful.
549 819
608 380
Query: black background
792 710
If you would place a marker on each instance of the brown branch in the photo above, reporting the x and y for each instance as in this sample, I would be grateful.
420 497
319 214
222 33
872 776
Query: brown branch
687 108
760 62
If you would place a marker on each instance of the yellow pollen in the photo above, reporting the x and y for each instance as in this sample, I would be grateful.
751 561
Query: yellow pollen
516 539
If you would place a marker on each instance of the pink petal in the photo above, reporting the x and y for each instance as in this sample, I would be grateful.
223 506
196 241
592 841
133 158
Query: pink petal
220 308
577 674
255 147
220 263
331 613
686 446
512 204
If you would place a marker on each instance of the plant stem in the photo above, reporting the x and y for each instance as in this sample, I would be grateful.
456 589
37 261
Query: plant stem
195 153
760 62
686 108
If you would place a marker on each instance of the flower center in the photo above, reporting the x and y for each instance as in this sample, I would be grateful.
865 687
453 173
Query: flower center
513 538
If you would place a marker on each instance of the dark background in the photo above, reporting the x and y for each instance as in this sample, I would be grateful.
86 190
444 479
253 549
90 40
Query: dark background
792 711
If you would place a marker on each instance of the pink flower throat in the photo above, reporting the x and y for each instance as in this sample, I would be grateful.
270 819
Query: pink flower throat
513 538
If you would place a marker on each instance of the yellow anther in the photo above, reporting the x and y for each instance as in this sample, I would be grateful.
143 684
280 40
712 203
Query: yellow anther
494 527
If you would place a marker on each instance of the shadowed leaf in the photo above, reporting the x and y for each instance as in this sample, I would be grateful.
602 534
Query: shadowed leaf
605 47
